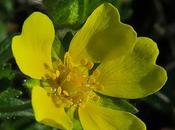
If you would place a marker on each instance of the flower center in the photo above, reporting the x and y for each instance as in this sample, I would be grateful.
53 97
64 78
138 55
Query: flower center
70 84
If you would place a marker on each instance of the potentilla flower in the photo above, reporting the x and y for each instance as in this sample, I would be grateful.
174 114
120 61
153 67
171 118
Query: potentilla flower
126 69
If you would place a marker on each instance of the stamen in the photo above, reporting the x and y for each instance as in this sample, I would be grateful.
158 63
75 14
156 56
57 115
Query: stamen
96 98
68 78
96 73
91 80
65 93
68 103
68 60
84 61
90 65
59 90
69 85
58 102
50 90
57 73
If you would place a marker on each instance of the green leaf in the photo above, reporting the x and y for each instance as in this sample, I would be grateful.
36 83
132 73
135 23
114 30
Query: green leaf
12 115
73 13
10 93
16 123
5 50
63 12
11 106
37 126
6 72
119 104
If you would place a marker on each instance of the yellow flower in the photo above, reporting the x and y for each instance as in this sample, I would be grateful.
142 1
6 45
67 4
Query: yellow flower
126 69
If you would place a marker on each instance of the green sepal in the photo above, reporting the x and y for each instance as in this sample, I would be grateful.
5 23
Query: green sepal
30 83
73 114
57 50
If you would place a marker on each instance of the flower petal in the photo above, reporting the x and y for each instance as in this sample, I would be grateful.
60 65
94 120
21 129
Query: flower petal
102 35
32 49
135 75
46 112
100 118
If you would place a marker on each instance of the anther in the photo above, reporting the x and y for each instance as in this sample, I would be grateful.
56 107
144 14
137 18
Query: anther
92 80
68 103
96 73
50 90
59 90
90 65
84 61
68 60
65 93
58 103
57 73
68 78
96 98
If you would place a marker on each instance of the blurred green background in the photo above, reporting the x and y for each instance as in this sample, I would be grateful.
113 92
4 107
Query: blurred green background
151 18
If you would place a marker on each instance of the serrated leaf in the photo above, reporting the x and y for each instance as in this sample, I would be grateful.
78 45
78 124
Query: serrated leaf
119 104
11 106
18 123
10 93
12 115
